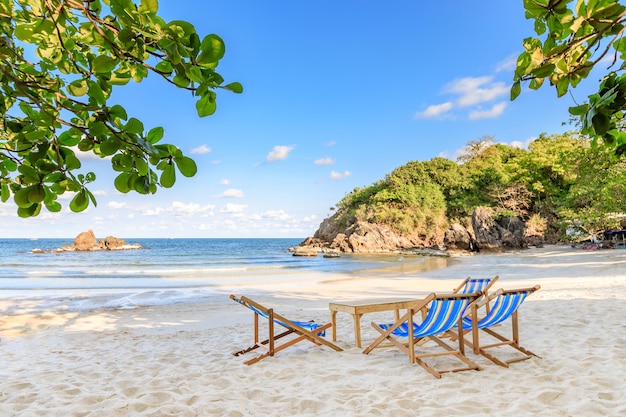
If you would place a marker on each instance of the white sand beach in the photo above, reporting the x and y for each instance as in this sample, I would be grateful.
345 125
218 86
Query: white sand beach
176 360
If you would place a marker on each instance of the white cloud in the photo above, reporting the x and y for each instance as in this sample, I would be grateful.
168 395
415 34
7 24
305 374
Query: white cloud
153 211
495 111
475 90
179 209
232 193
99 193
331 143
224 182
334 175
201 150
233 208
434 111
507 64
277 215
116 205
324 161
279 153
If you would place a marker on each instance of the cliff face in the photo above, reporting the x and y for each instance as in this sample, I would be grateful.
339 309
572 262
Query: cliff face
486 233
364 237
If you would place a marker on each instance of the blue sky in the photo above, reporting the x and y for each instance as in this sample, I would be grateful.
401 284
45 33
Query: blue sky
336 95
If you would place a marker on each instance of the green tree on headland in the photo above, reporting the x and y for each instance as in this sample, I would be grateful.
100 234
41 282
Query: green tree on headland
573 38
60 62
559 181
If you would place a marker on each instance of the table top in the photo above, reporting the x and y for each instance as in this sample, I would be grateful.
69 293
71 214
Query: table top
368 306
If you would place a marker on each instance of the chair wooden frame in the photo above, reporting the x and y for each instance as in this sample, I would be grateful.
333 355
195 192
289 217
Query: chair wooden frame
303 330
471 285
418 334
505 305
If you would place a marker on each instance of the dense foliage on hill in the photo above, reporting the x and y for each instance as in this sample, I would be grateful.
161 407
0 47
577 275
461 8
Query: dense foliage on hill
559 181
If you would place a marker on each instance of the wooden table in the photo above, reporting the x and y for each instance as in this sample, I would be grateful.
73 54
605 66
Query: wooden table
357 309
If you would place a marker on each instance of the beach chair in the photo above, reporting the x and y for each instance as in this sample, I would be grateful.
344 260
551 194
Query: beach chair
440 314
310 331
505 305
471 285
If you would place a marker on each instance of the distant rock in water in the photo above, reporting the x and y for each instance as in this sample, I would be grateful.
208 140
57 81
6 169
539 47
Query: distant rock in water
86 241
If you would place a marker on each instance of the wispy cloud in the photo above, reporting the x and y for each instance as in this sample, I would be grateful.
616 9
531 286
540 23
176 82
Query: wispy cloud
201 150
324 161
476 90
494 111
224 182
434 111
507 64
232 193
334 175
116 205
279 153
470 93
233 208
180 209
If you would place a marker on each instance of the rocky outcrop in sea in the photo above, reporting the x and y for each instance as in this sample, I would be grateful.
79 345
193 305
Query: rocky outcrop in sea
86 241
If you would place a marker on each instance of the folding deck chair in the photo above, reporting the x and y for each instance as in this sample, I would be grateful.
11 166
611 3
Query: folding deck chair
303 330
471 285
440 314
505 305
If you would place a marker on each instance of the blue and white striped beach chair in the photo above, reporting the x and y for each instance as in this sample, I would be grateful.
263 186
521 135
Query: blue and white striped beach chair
471 285
310 331
441 313
504 305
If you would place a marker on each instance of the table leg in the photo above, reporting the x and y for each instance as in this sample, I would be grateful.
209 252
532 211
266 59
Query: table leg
357 329
333 320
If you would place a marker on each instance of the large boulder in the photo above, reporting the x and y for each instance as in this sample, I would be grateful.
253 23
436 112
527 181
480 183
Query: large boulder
86 241
496 235
458 237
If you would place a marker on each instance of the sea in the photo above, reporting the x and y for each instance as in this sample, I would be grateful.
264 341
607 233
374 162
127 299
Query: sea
167 271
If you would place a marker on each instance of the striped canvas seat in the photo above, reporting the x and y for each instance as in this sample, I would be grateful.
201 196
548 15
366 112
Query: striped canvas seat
309 325
441 313
472 285
504 306
301 330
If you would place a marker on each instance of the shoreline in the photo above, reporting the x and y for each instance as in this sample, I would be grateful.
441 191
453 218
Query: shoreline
175 360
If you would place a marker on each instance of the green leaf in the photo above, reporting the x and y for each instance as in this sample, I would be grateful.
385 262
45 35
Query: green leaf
134 126
121 182
155 135
29 173
53 207
516 89
234 87
168 176
30 211
110 146
151 6
4 192
118 111
186 166
206 105
142 166
21 197
79 202
68 139
103 64
36 194
213 49
578 110
77 88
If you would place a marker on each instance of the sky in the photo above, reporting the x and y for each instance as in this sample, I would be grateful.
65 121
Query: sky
336 95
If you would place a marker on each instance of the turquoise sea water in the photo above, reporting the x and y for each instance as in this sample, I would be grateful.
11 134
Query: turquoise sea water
166 271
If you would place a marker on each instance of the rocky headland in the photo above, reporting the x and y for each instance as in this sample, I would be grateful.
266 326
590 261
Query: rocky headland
486 233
